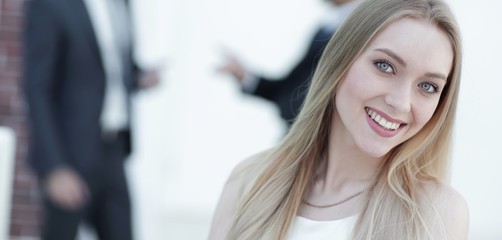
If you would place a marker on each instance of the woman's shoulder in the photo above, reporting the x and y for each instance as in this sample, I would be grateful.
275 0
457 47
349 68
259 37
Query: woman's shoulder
249 169
451 206
445 195
241 178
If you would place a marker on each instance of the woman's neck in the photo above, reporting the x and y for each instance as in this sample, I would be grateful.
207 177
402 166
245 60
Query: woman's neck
345 166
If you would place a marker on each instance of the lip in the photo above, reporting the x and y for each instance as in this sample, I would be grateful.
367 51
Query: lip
379 129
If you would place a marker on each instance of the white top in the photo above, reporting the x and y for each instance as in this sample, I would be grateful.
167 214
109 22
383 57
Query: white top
304 228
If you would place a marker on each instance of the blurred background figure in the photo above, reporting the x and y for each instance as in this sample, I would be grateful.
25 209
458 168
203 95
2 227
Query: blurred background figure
79 76
288 92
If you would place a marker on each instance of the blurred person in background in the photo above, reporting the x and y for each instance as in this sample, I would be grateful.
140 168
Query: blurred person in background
368 156
288 92
79 75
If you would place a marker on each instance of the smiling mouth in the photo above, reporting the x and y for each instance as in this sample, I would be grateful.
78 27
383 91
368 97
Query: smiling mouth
384 123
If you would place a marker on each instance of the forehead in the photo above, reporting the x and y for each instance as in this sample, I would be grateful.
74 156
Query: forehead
422 45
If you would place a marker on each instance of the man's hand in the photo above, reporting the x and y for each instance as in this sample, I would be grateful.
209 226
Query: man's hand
66 188
233 67
149 79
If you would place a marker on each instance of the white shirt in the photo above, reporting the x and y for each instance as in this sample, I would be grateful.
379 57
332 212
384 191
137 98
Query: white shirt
109 21
306 229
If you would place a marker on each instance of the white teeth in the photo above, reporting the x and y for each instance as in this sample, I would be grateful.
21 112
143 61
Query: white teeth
382 121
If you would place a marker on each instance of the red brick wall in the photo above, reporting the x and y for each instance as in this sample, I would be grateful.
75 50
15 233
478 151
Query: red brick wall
25 209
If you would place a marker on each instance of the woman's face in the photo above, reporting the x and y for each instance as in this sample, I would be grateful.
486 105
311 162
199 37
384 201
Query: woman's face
393 88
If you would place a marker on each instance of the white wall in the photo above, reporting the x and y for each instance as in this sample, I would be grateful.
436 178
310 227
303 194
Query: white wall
477 157
7 153
195 127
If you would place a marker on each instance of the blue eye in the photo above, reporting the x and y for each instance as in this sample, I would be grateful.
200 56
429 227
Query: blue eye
428 87
384 66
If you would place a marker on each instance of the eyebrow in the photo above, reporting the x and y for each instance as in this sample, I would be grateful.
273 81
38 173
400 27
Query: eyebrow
392 55
436 75
402 62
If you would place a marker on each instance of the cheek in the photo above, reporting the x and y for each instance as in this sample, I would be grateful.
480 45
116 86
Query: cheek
356 83
424 113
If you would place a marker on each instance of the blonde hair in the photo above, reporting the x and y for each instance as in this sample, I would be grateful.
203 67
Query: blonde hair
395 208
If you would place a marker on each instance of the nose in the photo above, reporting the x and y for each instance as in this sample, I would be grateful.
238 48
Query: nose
399 98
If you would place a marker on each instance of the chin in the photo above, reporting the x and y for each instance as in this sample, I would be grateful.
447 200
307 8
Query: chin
376 154
375 151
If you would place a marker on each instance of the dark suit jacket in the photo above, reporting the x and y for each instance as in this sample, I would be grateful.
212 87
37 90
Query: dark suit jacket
64 83
289 92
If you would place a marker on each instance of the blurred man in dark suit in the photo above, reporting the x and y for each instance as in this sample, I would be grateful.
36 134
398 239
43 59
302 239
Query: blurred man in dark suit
79 76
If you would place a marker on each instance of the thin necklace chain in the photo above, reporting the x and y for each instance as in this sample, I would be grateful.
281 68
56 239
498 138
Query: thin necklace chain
336 203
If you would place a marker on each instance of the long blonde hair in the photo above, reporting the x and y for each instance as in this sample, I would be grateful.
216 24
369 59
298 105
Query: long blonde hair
393 209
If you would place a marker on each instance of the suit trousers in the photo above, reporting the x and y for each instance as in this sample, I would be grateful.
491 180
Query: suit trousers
109 208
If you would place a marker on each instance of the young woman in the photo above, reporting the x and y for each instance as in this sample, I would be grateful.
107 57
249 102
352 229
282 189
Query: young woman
368 155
